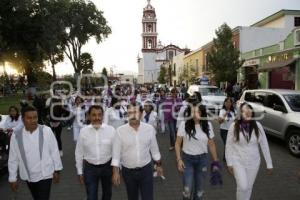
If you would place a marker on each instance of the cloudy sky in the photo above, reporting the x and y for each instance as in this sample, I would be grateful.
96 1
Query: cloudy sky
186 23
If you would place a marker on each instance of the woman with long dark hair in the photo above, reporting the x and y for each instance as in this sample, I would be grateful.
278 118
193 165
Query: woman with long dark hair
245 136
226 118
194 139
14 119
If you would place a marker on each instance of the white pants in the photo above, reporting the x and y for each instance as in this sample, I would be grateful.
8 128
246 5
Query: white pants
76 131
245 179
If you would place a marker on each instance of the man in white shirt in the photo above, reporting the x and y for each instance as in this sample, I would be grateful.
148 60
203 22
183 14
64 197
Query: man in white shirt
133 146
93 155
34 152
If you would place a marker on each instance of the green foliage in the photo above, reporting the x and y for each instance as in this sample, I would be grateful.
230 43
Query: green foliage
83 21
223 60
35 31
162 78
104 72
86 63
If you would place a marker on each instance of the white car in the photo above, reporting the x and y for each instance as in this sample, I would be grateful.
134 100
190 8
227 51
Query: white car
279 113
212 97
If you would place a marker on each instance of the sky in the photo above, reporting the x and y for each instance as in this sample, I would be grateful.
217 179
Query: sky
185 23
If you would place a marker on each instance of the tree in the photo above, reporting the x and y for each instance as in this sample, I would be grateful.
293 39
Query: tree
104 72
83 21
54 33
223 60
86 63
162 75
22 28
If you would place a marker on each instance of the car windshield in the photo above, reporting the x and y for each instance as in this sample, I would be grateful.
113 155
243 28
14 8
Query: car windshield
294 101
211 92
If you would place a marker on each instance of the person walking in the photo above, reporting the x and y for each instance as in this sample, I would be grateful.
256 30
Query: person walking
114 116
226 118
134 145
244 138
194 140
149 115
93 155
78 112
34 153
171 107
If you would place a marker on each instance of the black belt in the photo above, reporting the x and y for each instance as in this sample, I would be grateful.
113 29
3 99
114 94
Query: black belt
137 168
98 166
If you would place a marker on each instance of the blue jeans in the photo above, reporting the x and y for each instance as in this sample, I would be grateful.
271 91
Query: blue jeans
139 181
171 130
194 176
92 175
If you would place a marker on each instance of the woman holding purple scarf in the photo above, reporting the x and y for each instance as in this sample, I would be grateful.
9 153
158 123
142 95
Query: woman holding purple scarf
244 138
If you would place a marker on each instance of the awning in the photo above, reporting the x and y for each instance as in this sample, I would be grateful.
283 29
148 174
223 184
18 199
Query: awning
274 65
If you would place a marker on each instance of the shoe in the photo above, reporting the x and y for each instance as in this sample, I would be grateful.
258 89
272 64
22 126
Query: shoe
61 153
154 174
69 128
171 148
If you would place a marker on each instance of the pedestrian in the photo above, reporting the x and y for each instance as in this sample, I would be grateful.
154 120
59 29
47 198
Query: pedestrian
114 116
171 107
14 120
194 140
43 164
93 155
149 115
226 118
78 112
56 112
244 138
134 145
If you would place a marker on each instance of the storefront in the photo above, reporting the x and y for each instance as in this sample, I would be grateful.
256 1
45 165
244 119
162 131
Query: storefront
275 67
281 74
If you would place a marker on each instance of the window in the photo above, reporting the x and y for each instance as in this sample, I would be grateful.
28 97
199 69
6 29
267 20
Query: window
273 100
149 28
256 97
197 66
297 21
149 44
297 37
171 54
174 69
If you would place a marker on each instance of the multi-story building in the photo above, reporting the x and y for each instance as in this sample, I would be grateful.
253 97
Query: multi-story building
277 65
154 53
267 32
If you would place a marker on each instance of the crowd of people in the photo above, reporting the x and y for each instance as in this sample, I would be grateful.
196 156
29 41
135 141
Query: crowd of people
115 132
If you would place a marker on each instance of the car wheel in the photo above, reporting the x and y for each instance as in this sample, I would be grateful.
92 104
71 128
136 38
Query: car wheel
293 142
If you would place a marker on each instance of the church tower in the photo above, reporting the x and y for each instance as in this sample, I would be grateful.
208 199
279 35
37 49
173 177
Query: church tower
149 34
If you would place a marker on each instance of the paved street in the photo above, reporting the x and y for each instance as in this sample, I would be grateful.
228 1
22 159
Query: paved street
282 185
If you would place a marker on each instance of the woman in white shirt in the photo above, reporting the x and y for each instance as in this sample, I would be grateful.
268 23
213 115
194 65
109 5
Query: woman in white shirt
244 138
149 115
79 113
226 118
194 139
14 120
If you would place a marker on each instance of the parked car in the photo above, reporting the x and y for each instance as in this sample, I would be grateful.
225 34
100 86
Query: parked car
212 96
279 113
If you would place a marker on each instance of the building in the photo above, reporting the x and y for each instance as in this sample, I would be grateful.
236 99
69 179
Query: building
277 65
177 69
267 32
154 53
193 63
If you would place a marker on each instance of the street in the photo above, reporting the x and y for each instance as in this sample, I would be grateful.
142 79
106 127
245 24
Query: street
281 186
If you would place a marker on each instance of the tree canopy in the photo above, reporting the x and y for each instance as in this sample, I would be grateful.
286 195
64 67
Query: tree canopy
223 60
